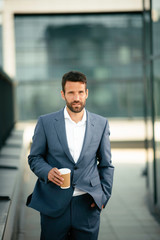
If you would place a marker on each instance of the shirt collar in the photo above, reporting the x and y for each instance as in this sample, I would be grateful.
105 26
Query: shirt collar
66 116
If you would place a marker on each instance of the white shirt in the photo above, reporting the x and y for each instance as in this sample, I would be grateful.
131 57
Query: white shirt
75 136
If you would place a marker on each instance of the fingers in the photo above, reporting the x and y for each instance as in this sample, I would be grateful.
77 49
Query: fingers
55 176
93 205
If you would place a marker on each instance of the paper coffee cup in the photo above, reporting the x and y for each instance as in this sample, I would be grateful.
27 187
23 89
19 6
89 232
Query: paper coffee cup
66 175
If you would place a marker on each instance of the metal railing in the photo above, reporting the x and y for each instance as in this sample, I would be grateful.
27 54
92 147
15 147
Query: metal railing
6 107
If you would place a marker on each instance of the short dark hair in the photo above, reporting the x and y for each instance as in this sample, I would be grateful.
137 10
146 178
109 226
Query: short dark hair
73 76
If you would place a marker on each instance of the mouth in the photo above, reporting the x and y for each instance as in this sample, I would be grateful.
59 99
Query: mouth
76 104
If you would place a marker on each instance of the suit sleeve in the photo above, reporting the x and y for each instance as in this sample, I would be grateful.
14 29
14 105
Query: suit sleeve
105 167
36 159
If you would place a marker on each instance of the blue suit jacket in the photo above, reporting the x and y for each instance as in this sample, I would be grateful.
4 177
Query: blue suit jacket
93 172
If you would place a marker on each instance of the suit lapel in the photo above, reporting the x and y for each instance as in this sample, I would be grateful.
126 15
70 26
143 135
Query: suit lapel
61 132
88 135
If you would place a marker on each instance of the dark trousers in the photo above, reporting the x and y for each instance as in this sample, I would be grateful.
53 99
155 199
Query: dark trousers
79 222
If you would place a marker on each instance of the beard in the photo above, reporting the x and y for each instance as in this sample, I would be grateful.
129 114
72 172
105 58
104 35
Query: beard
76 106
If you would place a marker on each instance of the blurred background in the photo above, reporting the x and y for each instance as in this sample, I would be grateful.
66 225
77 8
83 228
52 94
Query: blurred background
116 44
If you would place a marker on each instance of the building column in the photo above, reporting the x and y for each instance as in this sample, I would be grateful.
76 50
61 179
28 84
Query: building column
9 65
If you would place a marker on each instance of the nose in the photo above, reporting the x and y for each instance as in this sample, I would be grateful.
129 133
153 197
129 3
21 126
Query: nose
76 97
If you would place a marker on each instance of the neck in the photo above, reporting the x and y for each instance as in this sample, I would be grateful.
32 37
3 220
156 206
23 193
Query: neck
76 117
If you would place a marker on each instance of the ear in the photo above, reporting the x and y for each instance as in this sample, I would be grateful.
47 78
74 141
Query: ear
86 93
62 95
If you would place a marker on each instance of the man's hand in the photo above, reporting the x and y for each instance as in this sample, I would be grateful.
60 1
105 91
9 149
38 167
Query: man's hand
93 205
55 176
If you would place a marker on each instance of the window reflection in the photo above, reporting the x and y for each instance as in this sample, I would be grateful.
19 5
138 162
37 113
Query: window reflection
107 48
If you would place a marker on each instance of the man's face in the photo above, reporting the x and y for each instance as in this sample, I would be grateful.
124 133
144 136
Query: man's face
75 95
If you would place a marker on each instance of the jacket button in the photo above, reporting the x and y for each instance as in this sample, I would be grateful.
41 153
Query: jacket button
73 184
75 168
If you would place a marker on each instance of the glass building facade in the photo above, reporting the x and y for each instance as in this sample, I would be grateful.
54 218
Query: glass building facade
106 47
156 90
152 95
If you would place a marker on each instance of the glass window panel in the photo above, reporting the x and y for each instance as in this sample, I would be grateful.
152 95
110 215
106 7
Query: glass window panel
157 123
107 48
147 34
38 98
121 95
149 130
156 26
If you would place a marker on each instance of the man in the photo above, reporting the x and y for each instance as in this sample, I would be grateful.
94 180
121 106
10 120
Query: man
79 140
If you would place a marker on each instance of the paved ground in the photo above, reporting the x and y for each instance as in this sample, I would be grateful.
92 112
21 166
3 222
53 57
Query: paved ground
126 216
